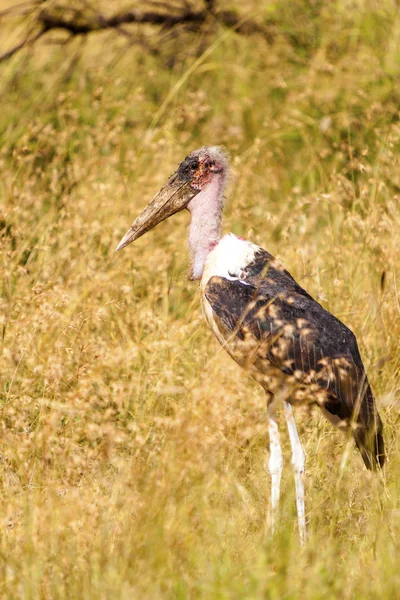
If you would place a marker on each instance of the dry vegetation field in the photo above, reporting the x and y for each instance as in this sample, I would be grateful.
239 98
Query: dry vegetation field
132 449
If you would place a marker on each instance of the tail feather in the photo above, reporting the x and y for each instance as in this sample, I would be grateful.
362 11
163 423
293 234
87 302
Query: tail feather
367 425
369 441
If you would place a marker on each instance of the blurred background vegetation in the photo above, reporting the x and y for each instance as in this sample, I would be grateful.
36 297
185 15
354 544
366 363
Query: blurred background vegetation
132 449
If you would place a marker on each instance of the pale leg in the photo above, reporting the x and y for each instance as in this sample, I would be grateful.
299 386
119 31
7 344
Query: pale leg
274 464
298 461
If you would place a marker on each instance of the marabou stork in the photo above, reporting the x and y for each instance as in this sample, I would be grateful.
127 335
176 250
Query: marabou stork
296 350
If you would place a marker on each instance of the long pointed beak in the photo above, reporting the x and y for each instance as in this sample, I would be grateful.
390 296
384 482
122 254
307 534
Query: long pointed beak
173 197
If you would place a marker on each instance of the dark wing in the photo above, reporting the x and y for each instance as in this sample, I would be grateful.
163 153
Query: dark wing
293 332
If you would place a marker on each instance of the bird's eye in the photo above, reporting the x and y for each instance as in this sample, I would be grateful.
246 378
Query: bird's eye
193 167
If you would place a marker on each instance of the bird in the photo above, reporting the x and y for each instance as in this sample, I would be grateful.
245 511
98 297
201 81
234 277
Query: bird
274 329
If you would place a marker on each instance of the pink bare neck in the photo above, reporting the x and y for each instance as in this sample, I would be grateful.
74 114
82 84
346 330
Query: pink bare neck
205 226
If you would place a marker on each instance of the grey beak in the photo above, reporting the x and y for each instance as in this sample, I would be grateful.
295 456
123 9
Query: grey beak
174 196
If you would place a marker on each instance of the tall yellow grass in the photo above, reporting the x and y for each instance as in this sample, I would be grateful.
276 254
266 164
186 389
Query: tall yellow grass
132 449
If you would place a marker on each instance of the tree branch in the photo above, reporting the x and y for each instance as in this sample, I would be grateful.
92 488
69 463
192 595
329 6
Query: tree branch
77 23
50 20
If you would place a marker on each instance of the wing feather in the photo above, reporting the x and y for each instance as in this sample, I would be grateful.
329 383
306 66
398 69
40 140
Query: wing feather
293 332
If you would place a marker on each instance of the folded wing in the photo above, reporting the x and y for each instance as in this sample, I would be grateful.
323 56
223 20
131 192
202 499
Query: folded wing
270 323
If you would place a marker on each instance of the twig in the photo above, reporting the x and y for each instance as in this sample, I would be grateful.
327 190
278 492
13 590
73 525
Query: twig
19 46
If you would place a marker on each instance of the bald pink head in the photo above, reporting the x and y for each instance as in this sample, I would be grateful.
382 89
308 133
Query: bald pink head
200 169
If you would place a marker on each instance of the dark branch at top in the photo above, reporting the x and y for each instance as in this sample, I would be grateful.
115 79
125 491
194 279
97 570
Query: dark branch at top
77 22
53 21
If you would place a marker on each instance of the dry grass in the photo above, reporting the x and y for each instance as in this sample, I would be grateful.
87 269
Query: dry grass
132 448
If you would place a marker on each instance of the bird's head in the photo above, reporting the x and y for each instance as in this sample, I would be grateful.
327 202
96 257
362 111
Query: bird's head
199 169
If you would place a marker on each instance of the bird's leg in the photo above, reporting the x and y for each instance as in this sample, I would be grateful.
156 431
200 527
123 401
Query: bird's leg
298 460
274 464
